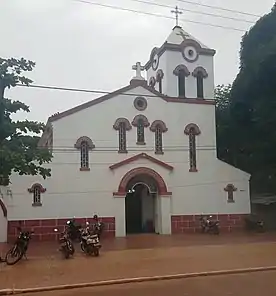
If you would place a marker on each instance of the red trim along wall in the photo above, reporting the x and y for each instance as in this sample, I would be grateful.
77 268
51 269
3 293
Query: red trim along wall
191 223
143 156
44 229
122 190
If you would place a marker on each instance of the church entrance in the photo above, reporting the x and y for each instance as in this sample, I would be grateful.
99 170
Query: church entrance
141 206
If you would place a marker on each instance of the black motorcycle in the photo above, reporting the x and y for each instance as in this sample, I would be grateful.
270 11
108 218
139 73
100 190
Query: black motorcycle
20 247
73 230
208 225
254 223
90 243
66 245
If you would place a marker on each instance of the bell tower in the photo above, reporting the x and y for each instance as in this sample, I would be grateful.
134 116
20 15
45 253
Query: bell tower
182 67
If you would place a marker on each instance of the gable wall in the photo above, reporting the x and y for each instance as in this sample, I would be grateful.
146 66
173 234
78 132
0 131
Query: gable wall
71 192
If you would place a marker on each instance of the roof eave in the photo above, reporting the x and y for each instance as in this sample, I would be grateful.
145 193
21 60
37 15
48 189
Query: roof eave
179 47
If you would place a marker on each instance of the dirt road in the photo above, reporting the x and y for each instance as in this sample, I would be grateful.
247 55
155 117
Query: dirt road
51 270
235 285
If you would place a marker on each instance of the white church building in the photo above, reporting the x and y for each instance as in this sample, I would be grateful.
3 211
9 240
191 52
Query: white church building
143 158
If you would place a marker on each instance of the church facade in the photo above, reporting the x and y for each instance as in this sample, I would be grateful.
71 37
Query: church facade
143 158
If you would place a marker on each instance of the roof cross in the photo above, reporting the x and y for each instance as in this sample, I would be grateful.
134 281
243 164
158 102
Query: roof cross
176 12
139 68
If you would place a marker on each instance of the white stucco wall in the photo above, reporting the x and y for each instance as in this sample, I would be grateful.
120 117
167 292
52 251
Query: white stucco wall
71 192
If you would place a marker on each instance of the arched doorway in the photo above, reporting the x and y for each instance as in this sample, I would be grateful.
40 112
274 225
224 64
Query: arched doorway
140 205
131 182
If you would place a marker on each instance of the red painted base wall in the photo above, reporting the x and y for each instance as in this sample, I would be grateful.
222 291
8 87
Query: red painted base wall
191 223
44 229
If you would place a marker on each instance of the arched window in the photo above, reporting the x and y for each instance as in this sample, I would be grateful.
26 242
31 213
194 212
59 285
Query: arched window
36 190
181 71
200 73
158 140
152 82
199 85
122 125
230 189
159 78
181 84
140 131
84 144
122 137
140 122
37 196
158 127
84 155
192 130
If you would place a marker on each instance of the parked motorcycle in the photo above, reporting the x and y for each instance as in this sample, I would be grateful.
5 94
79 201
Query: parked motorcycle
66 245
73 230
90 243
208 225
254 223
20 247
97 228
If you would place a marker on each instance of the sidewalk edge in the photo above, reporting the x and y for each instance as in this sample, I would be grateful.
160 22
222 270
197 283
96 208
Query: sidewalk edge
136 280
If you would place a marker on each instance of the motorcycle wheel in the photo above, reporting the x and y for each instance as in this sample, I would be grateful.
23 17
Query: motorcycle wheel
82 248
66 253
13 255
261 229
216 230
96 252
89 250
72 249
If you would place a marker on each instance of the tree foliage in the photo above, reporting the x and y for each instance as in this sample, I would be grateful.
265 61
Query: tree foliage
222 97
19 151
247 133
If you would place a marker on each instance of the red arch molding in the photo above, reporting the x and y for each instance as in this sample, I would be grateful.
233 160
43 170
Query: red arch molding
162 188
3 207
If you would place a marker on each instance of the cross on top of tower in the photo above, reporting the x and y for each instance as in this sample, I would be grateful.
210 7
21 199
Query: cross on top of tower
176 12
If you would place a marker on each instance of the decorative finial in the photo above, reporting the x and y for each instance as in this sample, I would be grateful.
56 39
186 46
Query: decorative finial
177 12
139 68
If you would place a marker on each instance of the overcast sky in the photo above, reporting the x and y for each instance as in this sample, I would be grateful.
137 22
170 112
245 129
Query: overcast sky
79 45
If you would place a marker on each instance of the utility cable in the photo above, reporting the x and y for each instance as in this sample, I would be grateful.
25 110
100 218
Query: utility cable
219 8
194 11
157 15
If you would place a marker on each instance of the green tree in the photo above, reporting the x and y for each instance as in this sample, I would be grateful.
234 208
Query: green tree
222 97
253 104
19 150
223 123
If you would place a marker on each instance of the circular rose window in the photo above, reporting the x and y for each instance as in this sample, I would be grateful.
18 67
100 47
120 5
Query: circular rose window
190 54
140 103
